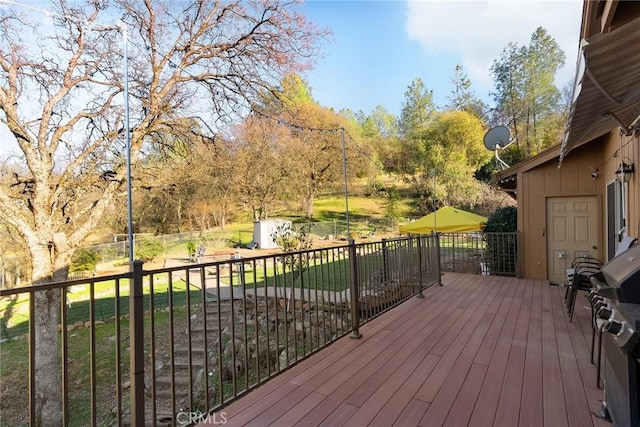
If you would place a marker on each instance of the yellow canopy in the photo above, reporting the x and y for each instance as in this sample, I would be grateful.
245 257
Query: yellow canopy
445 220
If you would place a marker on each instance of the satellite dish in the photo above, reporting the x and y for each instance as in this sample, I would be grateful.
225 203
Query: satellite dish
496 138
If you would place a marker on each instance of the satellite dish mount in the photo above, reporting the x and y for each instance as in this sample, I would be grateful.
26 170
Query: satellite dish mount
496 139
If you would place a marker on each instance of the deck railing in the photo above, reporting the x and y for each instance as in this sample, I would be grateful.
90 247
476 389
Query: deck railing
172 346
480 253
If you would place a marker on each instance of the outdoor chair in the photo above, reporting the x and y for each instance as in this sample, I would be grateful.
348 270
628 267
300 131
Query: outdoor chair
578 278
582 268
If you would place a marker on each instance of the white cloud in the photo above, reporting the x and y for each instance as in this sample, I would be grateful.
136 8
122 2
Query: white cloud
477 31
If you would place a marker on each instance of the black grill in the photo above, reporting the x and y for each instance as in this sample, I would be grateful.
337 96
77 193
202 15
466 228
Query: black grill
619 284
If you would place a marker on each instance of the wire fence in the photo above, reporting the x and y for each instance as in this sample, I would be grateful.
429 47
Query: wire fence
170 243
177 243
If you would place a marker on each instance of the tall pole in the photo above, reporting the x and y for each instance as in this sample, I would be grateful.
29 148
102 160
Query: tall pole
127 132
435 211
346 187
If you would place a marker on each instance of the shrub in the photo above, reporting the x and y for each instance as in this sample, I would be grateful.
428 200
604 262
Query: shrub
392 205
502 249
191 248
148 249
373 188
291 241
84 260
503 220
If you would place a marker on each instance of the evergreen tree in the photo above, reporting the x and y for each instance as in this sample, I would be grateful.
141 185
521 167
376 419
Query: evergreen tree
417 109
462 98
527 100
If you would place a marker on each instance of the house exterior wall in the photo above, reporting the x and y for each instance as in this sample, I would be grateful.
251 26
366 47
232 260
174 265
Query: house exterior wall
574 179
538 184
627 148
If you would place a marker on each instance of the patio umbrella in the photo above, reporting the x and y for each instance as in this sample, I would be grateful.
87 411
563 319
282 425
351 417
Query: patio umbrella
445 220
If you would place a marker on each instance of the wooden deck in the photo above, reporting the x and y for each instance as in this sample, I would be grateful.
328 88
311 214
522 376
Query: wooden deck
478 351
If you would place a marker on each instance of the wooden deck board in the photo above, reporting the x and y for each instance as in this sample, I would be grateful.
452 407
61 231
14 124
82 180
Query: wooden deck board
531 404
487 403
461 410
470 339
319 413
400 401
552 392
479 351
492 336
469 322
446 396
574 394
508 411
300 410
369 409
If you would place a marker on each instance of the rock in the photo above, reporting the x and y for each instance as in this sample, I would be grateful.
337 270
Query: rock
291 353
284 362
302 325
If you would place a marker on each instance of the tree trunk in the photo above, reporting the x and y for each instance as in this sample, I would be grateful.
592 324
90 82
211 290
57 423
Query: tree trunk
179 214
48 372
307 204
48 375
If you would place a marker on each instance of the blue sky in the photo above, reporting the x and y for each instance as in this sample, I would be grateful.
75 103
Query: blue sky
379 47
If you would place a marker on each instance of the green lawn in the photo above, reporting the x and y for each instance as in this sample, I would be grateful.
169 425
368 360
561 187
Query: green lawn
104 308
13 370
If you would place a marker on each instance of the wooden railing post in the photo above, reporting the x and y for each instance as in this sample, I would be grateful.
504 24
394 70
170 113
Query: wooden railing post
354 288
136 345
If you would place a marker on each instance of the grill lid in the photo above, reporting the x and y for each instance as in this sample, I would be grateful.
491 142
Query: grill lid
622 276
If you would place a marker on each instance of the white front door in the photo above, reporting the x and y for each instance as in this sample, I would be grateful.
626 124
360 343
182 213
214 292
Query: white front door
572 230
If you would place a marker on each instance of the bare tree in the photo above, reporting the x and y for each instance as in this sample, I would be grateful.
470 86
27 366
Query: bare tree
315 145
212 170
262 163
61 96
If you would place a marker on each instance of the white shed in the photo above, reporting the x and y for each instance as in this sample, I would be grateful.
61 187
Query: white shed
263 231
